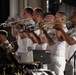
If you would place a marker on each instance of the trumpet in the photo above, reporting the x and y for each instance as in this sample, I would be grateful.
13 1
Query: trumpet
9 23
53 24
49 25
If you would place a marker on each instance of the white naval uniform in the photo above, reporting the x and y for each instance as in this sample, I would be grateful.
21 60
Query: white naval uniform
58 54
41 47
36 45
25 55
69 53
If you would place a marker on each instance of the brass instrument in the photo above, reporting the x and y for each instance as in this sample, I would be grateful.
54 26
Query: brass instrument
49 25
13 23
8 46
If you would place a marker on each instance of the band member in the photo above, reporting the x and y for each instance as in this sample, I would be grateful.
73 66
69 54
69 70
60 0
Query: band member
58 56
60 61
38 18
48 19
70 38
4 50
3 40
22 38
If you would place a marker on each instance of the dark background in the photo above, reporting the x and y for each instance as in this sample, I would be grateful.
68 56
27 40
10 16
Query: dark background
4 10
54 5
4 14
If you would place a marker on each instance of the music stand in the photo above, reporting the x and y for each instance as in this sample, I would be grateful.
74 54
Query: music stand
74 55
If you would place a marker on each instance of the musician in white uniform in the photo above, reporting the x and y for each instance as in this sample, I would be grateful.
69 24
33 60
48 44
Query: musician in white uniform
70 38
59 58
59 48
22 38
38 18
